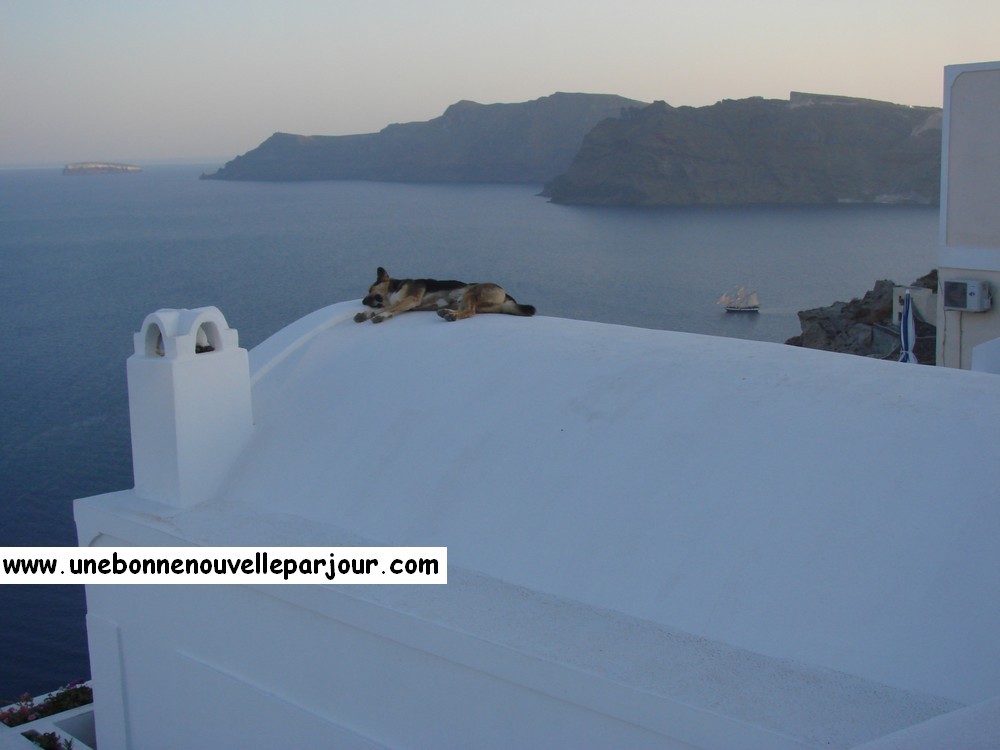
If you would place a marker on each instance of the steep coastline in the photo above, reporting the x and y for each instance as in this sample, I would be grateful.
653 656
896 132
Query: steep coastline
811 149
611 151
526 142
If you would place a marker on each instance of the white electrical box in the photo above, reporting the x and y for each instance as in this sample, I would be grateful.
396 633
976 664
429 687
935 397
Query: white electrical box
967 295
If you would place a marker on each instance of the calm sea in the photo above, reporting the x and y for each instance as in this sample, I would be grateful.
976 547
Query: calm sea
84 259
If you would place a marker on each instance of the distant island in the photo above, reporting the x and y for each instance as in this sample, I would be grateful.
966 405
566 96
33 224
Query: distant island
810 149
527 142
98 167
596 149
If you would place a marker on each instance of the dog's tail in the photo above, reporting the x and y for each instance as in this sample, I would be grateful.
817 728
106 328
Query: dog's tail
511 307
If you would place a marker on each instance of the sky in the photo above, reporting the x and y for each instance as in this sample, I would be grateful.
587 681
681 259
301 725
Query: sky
207 80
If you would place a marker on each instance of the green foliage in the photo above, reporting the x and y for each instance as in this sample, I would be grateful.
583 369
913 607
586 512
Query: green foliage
49 740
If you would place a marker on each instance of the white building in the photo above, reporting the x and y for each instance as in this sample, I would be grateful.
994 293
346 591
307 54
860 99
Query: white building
969 319
655 539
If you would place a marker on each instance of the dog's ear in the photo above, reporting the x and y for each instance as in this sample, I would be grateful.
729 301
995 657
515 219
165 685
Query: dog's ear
381 275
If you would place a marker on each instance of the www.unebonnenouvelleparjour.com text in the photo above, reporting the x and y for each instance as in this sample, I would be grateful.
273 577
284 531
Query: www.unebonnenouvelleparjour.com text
220 565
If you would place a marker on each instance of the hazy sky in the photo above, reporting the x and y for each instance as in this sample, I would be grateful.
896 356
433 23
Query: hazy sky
145 80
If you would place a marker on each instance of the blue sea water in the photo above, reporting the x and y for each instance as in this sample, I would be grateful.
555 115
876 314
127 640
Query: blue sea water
84 259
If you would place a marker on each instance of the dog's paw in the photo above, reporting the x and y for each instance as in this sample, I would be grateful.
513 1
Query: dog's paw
379 318
447 314
361 317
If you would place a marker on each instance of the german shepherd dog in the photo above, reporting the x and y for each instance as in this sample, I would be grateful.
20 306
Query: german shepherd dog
453 300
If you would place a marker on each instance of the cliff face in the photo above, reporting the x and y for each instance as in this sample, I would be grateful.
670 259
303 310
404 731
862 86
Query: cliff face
811 149
864 326
525 142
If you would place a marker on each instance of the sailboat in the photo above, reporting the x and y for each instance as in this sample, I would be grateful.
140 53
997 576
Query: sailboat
741 301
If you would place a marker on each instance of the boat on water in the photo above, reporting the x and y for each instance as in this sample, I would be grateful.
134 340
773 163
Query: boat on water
740 301
99 167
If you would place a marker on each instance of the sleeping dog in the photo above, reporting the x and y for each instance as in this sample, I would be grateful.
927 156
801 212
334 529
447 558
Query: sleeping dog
453 300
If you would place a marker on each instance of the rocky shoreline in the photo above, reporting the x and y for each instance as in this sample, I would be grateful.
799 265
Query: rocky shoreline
607 150
526 142
865 326
811 149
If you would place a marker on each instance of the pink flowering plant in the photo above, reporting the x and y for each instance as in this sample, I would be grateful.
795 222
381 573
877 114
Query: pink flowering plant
25 710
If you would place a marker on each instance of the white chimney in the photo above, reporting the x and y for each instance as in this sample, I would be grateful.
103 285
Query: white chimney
189 404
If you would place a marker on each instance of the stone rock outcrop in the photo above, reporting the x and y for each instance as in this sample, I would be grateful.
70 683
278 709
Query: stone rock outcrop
811 149
527 142
865 326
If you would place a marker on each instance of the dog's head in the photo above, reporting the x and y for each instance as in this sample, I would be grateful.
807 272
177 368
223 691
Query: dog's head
379 291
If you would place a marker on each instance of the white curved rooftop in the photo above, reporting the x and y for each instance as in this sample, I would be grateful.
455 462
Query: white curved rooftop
815 506
793 539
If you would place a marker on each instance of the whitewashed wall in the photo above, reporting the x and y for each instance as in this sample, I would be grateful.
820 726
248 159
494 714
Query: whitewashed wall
970 194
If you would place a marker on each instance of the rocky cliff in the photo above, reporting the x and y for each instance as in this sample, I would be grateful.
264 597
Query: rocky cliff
864 326
811 149
527 142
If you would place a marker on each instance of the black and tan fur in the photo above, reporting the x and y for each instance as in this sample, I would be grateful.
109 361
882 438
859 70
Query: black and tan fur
453 300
